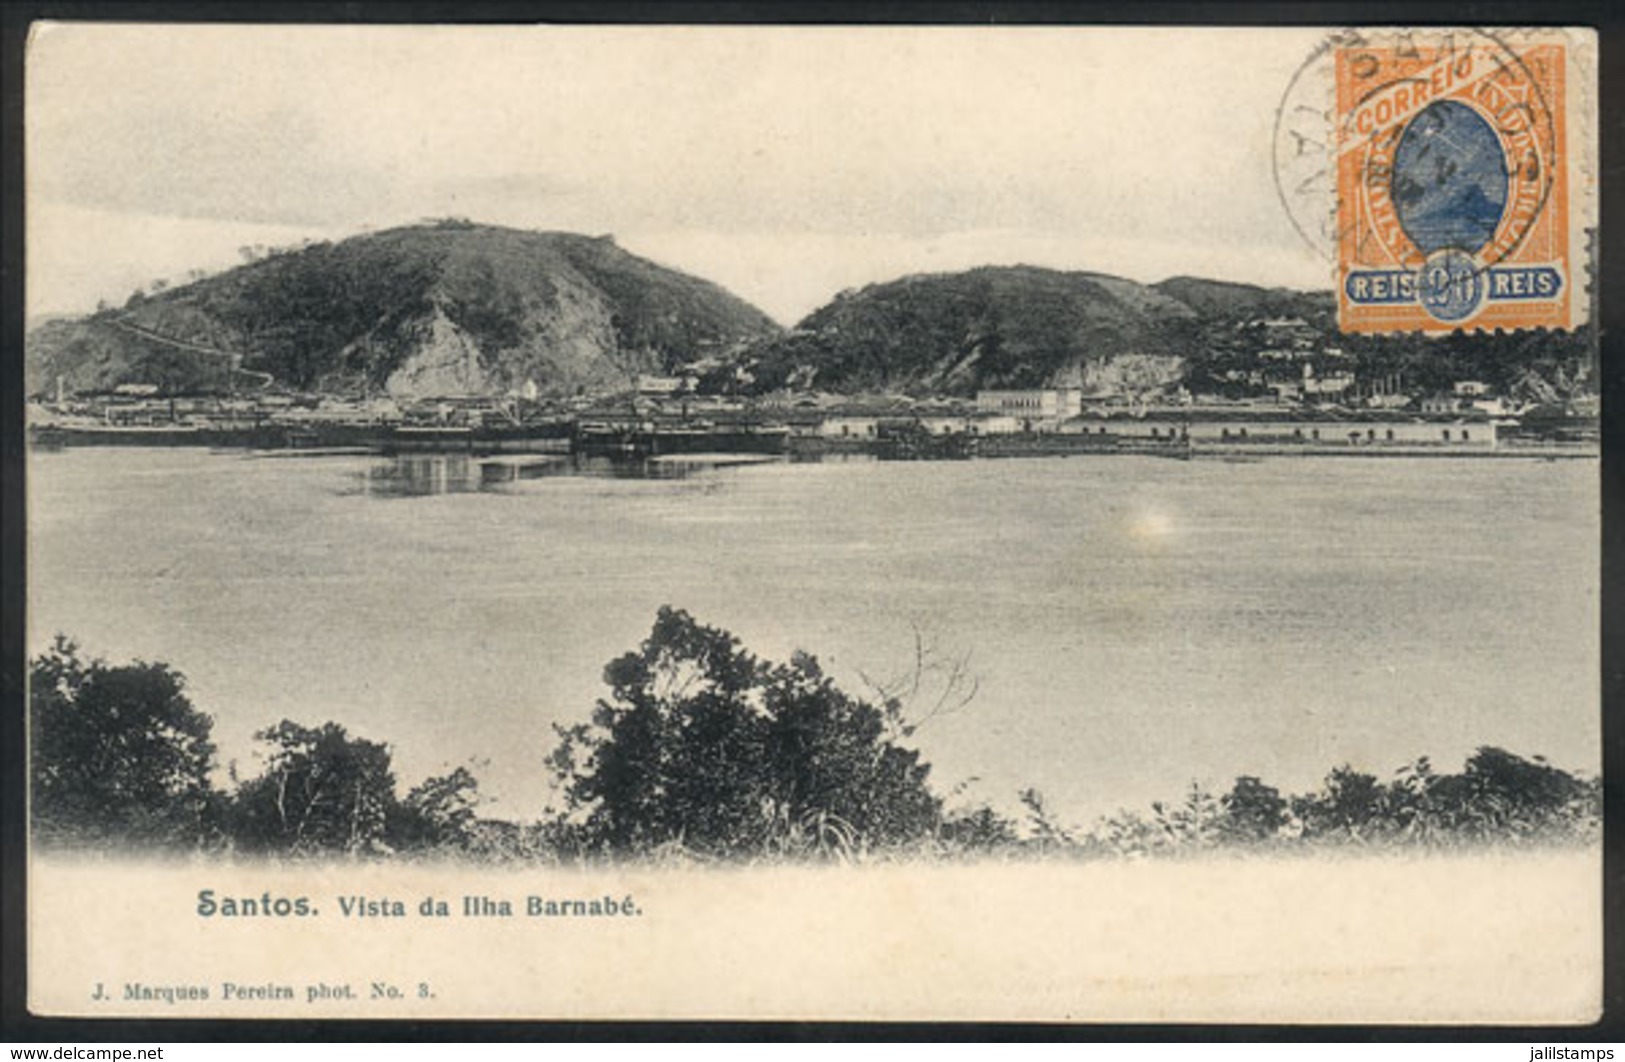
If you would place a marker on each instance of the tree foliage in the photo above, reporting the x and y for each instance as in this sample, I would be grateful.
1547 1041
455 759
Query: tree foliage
702 748
117 753
322 791
1252 812
701 744
437 814
560 308
326 792
1348 805
1498 798
1497 795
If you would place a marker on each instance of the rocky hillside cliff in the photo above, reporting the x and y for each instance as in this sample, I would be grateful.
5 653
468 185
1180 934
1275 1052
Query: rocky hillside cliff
446 308
955 333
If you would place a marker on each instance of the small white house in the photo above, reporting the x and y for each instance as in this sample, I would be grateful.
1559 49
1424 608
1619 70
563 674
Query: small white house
845 426
1331 384
660 386
1441 404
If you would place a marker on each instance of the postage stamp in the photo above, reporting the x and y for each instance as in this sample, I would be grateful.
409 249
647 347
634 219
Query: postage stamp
1453 182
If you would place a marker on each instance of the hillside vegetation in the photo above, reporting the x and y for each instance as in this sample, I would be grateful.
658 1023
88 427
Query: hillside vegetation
457 308
956 333
1019 327
445 308
1022 327
702 751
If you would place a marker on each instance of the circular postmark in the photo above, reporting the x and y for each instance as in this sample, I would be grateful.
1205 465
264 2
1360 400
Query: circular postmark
1423 152
1304 151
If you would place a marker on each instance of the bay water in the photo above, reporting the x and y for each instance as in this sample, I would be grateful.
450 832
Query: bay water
1120 626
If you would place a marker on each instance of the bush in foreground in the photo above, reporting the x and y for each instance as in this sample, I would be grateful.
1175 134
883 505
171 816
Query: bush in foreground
117 753
700 751
701 744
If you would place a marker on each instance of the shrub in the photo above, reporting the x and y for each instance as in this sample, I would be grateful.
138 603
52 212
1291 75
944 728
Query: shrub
1501 796
322 792
702 745
438 814
1252 812
1351 806
979 830
117 753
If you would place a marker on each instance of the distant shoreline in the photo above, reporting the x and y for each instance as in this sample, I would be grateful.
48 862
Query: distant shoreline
904 441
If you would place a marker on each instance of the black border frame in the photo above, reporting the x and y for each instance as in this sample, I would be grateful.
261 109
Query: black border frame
17 1025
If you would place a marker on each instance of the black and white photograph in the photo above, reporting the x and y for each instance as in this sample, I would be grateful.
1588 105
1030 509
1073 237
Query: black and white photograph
792 523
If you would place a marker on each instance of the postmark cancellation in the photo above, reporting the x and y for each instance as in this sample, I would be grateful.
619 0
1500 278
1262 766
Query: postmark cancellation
1448 175
1456 181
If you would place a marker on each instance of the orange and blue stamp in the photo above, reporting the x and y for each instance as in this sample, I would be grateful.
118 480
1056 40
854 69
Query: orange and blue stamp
1452 169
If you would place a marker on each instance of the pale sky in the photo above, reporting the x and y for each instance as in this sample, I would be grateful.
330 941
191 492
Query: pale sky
784 163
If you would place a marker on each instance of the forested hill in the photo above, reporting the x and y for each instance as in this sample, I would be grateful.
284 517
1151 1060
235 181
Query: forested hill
1015 326
1020 327
457 308
442 308
1221 300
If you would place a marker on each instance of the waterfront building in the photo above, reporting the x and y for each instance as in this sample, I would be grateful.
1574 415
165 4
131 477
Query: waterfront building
1441 404
939 424
1044 404
847 426
1086 425
1159 428
1407 434
1330 385
997 424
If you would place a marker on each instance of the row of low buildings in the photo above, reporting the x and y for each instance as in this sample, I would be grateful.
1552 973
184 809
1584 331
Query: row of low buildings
1066 412
1174 430
1053 409
1464 397
1470 418
1413 432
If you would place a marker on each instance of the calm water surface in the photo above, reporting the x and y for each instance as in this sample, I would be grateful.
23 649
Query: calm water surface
1134 623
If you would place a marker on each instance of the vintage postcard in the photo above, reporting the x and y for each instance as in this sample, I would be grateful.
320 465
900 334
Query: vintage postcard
916 523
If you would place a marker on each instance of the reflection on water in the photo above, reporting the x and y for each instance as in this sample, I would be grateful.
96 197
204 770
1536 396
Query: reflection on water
420 475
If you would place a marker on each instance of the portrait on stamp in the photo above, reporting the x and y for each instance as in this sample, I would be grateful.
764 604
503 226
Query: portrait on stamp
1453 182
